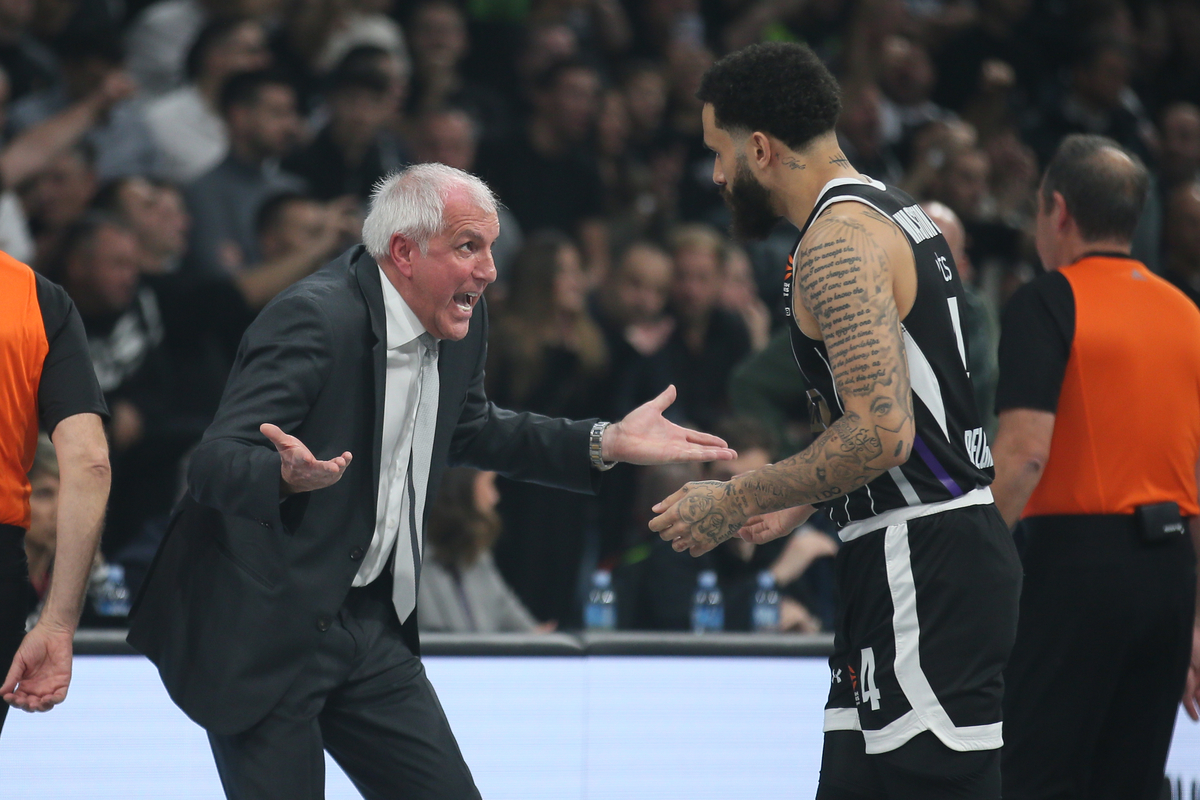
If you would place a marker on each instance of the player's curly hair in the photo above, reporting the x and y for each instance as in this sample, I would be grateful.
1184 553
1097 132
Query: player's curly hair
778 88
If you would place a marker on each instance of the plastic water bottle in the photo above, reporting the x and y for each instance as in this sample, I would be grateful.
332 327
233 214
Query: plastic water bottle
110 595
601 611
708 608
766 603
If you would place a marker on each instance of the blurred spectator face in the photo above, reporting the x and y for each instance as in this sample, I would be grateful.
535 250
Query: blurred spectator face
698 282
547 45
438 36
1182 230
570 282
907 75
104 276
860 122
360 110
1102 79
62 193
612 129
641 285
487 496
243 50
43 511
448 137
738 289
15 15
173 222
270 126
571 103
1180 142
157 217
963 183
646 97
301 226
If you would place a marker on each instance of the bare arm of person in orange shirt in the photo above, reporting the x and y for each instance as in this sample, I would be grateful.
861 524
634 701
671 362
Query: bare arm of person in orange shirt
1191 690
41 669
1020 451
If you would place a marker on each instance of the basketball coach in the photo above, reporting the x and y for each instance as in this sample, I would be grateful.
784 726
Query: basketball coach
280 607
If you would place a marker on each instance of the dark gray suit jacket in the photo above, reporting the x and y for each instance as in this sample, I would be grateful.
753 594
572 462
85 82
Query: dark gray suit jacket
243 586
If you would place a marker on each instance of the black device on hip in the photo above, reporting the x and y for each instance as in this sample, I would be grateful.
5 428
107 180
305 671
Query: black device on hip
1159 522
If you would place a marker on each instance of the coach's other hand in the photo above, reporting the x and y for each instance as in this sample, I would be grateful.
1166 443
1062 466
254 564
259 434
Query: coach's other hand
300 471
646 437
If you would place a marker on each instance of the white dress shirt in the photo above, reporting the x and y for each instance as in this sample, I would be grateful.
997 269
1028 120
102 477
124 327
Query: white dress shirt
401 395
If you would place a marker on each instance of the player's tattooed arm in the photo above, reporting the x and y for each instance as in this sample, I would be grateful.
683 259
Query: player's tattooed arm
845 282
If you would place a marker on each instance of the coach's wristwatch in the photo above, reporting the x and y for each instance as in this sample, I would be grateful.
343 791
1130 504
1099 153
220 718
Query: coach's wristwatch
596 449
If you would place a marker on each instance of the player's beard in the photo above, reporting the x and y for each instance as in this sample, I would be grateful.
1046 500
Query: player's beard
749 201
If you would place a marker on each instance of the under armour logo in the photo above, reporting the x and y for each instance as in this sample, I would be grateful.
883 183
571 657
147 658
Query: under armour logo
836 676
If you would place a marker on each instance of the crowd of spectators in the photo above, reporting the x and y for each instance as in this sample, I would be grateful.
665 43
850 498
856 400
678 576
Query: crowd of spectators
176 163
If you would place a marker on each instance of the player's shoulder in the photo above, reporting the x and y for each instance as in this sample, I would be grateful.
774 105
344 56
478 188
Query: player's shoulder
849 223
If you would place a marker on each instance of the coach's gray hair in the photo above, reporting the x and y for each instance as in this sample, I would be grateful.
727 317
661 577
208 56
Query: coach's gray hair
411 202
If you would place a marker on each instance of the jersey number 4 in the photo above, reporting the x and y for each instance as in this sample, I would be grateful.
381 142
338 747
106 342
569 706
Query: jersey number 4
870 692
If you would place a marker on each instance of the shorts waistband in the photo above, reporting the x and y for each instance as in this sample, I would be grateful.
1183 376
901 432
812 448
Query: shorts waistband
976 497
11 530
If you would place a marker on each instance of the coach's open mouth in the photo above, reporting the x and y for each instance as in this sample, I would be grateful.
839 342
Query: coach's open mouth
466 301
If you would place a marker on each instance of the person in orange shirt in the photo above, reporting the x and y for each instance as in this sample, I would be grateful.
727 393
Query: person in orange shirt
47 381
1097 451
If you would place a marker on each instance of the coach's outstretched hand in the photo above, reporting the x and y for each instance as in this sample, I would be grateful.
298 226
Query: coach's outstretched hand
300 470
646 437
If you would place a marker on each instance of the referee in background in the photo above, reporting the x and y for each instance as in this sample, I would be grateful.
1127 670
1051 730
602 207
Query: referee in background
46 378
1097 450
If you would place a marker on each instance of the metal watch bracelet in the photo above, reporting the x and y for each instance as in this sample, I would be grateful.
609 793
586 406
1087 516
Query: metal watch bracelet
596 448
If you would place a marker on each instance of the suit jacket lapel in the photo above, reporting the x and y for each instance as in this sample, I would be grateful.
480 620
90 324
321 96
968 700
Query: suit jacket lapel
367 272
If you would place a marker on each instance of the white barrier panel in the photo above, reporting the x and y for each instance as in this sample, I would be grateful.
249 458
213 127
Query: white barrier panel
558 728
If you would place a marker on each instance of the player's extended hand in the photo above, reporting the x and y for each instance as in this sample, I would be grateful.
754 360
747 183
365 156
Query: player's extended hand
41 670
700 516
301 471
1191 691
646 437
763 528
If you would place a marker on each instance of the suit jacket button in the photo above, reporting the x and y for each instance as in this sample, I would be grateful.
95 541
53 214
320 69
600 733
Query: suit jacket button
356 554
264 523
323 623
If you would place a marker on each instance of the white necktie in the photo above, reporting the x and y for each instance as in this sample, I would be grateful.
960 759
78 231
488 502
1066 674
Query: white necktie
410 538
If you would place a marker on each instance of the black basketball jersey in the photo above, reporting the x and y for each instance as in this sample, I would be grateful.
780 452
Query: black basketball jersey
950 454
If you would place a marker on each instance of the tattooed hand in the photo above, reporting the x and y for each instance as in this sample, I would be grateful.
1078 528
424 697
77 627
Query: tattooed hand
701 515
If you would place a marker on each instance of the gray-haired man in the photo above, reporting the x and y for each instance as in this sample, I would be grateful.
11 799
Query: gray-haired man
280 608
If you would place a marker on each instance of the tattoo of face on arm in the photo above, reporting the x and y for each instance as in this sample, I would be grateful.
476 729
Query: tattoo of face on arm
844 280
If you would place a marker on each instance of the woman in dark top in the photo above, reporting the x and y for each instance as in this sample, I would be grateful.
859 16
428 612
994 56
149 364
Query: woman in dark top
547 355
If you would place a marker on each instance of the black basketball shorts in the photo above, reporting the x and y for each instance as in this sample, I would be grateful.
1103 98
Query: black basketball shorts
927 617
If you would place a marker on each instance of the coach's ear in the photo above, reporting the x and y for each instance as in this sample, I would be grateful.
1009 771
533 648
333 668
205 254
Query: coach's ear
403 251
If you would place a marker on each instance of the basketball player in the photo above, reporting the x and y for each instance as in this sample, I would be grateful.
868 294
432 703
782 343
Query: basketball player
927 573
